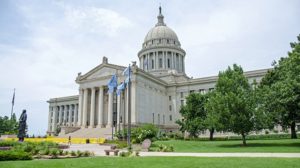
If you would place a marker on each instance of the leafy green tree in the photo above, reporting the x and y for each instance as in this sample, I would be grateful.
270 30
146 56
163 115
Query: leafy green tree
193 114
281 90
8 126
212 118
234 103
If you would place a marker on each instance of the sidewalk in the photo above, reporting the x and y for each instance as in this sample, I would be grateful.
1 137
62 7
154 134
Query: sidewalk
99 151
282 155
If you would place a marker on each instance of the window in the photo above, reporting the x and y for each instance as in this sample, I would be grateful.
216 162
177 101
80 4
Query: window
152 41
211 89
159 40
164 119
170 117
170 98
192 91
202 91
170 107
168 63
181 102
167 41
181 94
160 63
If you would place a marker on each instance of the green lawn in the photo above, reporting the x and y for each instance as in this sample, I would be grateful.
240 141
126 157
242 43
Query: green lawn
155 162
282 145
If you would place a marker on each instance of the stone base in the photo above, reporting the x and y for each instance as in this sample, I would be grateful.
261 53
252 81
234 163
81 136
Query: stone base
99 126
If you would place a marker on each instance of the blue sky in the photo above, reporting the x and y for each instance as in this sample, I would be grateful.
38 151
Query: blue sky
44 44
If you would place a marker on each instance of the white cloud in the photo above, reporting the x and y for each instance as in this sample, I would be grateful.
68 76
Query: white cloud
96 20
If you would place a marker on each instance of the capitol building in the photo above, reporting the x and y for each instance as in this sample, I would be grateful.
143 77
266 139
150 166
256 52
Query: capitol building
159 86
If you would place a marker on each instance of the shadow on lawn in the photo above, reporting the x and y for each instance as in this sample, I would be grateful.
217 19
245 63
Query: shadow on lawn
261 145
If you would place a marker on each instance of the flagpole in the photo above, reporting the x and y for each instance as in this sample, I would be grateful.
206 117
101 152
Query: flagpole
12 104
129 112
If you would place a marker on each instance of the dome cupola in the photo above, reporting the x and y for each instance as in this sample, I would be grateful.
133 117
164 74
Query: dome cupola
161 50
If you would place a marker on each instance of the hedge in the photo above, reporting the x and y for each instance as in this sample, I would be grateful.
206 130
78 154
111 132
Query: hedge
14 155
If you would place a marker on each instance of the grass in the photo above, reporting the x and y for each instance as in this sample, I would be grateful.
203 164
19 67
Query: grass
279 146
154 162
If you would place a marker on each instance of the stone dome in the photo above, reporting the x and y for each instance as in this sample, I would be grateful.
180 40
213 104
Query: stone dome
161 51
161 32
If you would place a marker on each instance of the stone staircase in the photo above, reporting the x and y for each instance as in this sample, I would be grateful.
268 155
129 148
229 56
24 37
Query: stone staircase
89 133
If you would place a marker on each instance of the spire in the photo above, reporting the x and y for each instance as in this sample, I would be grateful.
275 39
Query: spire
160 18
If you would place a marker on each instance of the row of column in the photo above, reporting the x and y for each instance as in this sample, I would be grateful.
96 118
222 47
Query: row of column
86 106
174 63
63 115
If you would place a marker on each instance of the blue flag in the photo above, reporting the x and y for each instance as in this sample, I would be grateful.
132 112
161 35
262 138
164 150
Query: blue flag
112 84
126 73
120 88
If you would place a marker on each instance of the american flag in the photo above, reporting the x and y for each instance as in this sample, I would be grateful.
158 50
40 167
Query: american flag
13 99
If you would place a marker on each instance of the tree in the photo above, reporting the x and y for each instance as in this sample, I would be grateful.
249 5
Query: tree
281 90
8 126
212 117
234 103
193 114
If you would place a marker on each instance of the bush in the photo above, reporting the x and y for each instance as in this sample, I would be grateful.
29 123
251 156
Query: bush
86 153
165 148
119 144
73 153
79 153
44 152
8 143
54 152
65 152
129 154
14 155
139 134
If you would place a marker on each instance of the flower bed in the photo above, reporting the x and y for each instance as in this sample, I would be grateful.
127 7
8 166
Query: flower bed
62 140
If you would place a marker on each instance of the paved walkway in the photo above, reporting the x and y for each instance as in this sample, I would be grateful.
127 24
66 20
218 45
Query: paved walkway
99 151
283 155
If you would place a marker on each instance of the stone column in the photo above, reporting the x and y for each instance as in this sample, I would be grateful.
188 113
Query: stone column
154 54
173 65
92 116
100 107
142 62
110 110
180 59
79 113
55 114
164 60
148 62
75 114
183 66
118 110
65 115
49 118
84 107
71 108
60 117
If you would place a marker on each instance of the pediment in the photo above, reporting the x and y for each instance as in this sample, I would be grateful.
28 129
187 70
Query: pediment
102 71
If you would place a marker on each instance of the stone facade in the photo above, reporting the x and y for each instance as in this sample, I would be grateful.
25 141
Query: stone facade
159 87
